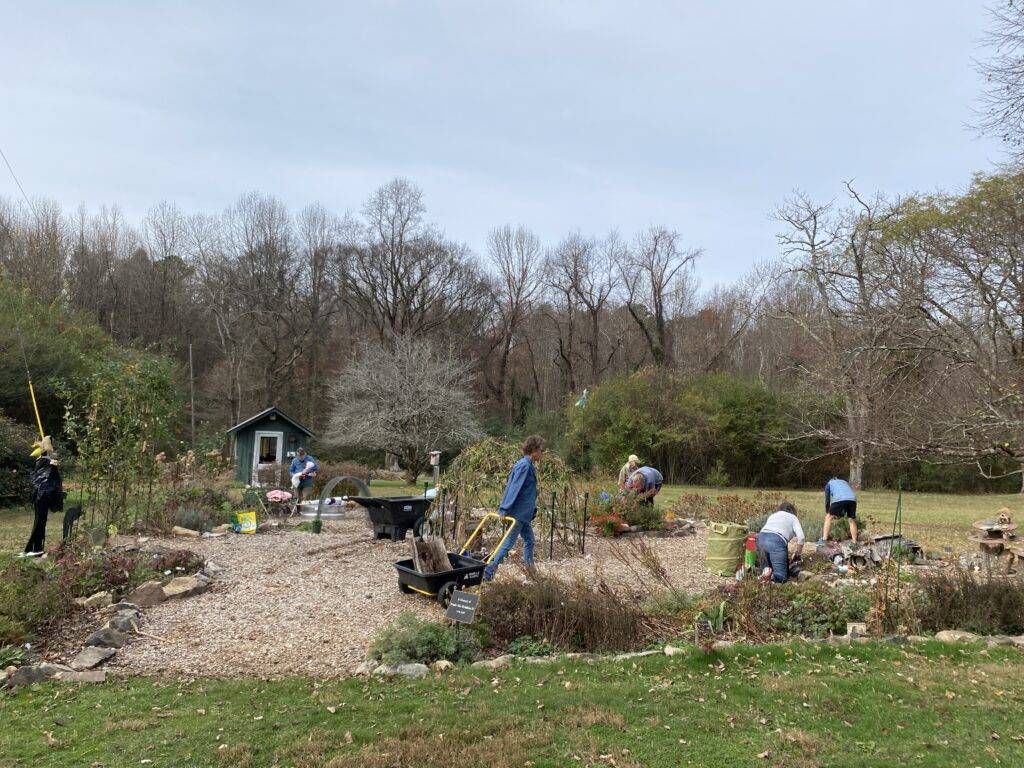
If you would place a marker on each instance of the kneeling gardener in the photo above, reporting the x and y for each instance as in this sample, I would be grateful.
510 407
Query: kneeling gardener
520 502
781 527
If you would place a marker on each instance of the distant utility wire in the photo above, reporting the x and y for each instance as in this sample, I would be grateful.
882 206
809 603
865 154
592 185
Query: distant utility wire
20 188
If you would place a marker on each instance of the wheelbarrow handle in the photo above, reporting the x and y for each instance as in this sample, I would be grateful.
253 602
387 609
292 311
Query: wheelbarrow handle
511 521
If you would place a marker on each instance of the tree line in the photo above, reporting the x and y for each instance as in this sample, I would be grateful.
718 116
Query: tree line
896 323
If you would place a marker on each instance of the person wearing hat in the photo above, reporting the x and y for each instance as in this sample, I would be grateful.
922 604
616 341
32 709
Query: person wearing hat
631 465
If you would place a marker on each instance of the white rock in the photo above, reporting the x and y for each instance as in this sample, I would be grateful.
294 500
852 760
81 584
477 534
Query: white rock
635 655
674 650
499 663
722 645
366 668
385 670
956 636
413 670
442 665
97 600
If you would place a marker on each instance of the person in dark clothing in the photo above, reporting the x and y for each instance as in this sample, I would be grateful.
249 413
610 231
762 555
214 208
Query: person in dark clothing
46 495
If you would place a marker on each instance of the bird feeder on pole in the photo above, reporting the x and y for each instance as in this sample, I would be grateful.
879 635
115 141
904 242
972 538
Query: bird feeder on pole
435 462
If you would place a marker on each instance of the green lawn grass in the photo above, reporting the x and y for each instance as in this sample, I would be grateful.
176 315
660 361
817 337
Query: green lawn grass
935 520
872 706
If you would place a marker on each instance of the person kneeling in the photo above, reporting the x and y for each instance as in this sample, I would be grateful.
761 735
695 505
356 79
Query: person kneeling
773 541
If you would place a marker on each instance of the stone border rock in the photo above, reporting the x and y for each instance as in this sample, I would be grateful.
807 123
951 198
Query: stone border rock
373 667
124 619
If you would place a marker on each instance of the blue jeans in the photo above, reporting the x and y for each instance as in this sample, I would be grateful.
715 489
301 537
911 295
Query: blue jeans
522 528
773 548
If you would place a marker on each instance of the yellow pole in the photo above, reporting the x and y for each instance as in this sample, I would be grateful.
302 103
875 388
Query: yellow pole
35 407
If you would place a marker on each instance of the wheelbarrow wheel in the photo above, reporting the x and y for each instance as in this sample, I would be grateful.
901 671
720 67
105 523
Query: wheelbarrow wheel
444 594
405 589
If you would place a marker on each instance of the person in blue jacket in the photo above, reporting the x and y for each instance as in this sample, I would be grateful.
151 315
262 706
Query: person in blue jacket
646 482
300 466
840 501
520 502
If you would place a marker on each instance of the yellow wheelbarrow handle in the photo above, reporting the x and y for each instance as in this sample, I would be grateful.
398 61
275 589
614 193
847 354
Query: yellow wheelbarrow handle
476 532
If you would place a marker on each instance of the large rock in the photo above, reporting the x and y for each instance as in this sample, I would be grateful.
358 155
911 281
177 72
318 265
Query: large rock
385 670
121 606
82 676
97 600
91 656
36 673
147 595
996 640
125 621
412 670
184 586
442 665
499 663
956 636
107 638
675 650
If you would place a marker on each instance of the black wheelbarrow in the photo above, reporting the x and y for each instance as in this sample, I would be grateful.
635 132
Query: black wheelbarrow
392 516
466 571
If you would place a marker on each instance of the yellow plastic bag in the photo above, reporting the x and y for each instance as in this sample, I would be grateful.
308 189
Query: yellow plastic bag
243 522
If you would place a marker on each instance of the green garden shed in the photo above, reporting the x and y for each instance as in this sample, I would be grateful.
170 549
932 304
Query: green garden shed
262 441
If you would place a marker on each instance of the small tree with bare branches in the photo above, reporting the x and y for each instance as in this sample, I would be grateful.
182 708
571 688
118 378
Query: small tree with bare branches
406 398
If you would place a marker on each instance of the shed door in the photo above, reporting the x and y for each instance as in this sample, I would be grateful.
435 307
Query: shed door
268 448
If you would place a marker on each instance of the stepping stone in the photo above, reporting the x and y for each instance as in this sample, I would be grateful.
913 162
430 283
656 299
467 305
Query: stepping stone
184 586
147 595
91 656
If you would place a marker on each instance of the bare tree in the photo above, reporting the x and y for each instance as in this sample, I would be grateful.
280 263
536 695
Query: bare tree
848 311
655 275
514 254
1002 101
967 253
407 398
405 277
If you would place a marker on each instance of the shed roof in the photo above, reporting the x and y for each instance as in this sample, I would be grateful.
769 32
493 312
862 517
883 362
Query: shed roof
263 414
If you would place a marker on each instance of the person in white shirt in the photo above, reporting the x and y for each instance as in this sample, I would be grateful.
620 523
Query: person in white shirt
778 531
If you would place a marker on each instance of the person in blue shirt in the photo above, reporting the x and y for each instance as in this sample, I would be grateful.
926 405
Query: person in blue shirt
646 482
840 501
300 467
520 502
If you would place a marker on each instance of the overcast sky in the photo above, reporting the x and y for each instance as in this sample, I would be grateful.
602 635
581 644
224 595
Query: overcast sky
696 114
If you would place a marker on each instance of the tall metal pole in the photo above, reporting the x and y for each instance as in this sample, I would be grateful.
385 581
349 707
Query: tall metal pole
192 394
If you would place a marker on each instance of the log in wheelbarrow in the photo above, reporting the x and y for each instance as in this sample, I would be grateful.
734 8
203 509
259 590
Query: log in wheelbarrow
466 571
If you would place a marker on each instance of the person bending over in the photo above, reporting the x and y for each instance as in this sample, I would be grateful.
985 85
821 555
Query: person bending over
840 502
520 503
781 527
646 483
